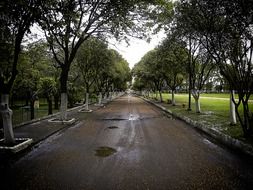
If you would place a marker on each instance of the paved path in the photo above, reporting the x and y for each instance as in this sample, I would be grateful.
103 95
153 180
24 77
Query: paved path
128 145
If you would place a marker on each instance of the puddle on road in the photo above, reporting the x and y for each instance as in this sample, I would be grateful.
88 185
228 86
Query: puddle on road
112 127
113 119
133 117
104 151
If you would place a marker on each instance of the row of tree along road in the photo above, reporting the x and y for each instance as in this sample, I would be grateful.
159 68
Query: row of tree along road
208 43
67 25
204 37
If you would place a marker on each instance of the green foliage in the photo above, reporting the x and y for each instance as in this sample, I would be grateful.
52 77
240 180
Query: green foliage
174 58
16 17
47 86
35 72
120 71
224 29
102 69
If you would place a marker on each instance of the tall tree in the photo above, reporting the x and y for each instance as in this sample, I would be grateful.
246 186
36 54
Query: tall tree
120 71
226 27
186 33
89 59
16 18
202 69
174 58
69 23
151 70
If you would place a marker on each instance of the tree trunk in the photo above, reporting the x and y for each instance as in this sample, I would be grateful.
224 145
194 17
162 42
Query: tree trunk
232 109
32 108
64 95
173 98
105 97
6 114
50 105
189 100
64 106
27 98
100 98
161 97
56 102
110 95
197 104
87 101
247 120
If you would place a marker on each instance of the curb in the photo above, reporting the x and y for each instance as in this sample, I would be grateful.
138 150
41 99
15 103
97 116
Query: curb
35 143
212 132
65 126
45 117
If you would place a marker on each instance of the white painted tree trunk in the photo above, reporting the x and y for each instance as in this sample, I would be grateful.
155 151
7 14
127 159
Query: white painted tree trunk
100 98
6 113
173 98
64 106
87 101
196 96
232 110
197 104
110 95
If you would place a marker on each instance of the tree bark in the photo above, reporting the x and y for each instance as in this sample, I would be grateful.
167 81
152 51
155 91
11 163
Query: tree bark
32 108
6 114
87 101
50 105
189 99
100 98
27 98
173 98
64 95
56 102
197 104
161 97
247 118
232 109
63 108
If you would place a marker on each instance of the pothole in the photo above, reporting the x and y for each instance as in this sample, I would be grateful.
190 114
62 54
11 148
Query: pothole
112 127
114 119
105 151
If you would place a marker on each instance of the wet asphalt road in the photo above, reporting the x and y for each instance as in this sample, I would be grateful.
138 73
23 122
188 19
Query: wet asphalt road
141 148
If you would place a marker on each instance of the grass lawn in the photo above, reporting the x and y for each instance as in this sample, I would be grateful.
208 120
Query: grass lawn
215 110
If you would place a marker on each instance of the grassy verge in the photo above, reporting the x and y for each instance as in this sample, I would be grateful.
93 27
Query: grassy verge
215 111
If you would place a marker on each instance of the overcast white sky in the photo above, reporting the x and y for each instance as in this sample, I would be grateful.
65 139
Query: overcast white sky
137 48
132 53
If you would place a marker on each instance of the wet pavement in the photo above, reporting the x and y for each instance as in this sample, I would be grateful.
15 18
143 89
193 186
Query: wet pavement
129 144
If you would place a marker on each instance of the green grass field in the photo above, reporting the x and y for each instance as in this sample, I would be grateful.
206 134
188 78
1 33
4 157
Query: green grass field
214 107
